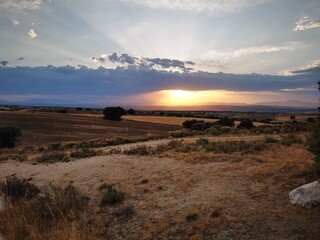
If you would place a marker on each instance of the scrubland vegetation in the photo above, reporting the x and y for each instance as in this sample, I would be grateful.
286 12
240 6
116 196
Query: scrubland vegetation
226 178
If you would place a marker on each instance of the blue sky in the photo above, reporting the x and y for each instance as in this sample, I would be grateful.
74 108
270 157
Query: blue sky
136 51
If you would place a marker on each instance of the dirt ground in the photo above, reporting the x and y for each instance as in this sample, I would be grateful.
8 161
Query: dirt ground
42 128
224 196
175 195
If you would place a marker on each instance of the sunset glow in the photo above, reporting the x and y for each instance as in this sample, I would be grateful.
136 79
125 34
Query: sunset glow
158 52
189 98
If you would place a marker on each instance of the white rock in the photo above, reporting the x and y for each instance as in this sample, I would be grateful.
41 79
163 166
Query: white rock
307 195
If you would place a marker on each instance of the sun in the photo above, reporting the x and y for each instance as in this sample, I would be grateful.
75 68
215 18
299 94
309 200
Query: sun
178 97
181 94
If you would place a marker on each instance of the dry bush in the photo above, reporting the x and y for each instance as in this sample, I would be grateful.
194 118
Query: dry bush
290 139
182 133
141 150
55 202
84 153
111 196
17 189
53 157
25 219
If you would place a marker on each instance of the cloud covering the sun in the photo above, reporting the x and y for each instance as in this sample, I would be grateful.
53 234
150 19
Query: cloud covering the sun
307 23
122 81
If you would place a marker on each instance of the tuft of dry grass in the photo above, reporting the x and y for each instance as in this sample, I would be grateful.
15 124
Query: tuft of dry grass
111 195
17 189
55 213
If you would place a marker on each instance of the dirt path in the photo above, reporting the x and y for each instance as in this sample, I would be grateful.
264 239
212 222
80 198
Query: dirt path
154 143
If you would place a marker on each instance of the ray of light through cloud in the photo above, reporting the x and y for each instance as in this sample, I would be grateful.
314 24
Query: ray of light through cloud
198 50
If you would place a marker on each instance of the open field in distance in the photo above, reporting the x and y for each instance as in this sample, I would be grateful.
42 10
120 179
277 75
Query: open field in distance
177 121
43 128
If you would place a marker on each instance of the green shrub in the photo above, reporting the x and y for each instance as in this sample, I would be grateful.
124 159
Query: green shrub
293 127
111 196
9 136
53 157
181 133
131 111
266 129
311 120
225 121
246 123
313 140
54 146
190 123
17 189
215 131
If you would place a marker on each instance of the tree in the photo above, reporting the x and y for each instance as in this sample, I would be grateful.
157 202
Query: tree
311 120
292 117
131 111
246 123
227 122
114 113
314 141
190 123
8 136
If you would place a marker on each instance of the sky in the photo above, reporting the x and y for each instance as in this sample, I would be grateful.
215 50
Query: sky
164 52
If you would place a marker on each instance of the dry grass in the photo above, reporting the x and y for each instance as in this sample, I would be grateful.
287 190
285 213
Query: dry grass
235 195
65 216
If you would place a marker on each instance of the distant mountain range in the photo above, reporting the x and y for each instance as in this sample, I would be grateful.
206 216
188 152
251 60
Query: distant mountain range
280 106
290 103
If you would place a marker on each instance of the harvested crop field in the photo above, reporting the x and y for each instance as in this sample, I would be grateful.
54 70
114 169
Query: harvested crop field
42 128
176 121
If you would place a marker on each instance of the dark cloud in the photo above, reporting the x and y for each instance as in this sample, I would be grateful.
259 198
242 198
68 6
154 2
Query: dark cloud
20 58
100 59
4 63
311 71
147 63
124 81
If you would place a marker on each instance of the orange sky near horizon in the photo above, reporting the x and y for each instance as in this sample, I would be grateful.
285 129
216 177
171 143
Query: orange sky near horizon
179 97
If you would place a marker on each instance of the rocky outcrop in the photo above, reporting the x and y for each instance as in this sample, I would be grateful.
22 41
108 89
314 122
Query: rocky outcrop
307 195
